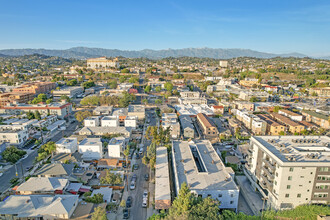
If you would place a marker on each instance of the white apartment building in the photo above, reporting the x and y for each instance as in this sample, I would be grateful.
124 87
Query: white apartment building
93 121
16 137
91 149
116 147
110 121
71 91
67 145
190 94
294 170
131 121
199 165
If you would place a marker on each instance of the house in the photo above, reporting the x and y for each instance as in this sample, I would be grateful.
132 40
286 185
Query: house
38 206
170 120
100 131
137 110
108 163
93 121
105 191
110 121
187 126
75 158
131 121
273 127
67 145
91 149
292 115
55 170
43 185
293 127
116 147
103 110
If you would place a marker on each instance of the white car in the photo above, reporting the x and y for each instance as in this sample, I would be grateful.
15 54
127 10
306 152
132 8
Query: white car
144 202
145 194
132 186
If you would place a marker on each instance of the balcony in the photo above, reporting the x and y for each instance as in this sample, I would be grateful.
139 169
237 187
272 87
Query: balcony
266 182
269 164
269 174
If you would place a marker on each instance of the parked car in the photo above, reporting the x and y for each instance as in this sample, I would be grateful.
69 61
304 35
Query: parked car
134 178
129 202
145 202
137 156
28 168
132 186
145 193
136 166
146 177
126 213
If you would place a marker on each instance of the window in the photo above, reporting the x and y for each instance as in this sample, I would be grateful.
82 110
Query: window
232 195
301 176
231 202
291 169
288 186
323 169
275 182
220 195
287 195
290 178
276 174
322 187
303 168
208 195
298 195
311 172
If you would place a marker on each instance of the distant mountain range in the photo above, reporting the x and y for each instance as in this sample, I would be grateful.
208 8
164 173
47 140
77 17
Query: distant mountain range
86 52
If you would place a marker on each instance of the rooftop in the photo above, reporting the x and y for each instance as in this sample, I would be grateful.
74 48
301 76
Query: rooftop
198 164
91 141
136 108
296 148
55 169
315 114
289 112
162 187
38 205
193 109
43 184
205 120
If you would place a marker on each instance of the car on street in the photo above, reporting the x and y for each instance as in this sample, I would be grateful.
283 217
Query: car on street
145 202
146 177
132 186
126 213
129 202
134 178
137 156
28 168
145 193
136 166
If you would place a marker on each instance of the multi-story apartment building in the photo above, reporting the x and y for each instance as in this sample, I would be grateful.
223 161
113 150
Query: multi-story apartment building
207 126
131 121
93 121
137 110
11 97
317 118
292 115
110 121
293 170
35 88
62 110
15 137
273 127
71 91
67 145
323 92
102 63
292 126
190 95
91 149
116 147
200 167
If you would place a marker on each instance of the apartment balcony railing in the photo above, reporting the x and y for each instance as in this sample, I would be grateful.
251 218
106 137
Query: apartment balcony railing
269 164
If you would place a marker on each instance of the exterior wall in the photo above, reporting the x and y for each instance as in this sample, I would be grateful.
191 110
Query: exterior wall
70 147
91 151
71 92
190 94
6 98
131 123
188 132
109 123
228 198
102 62
92 122
18 137
35 88
114 150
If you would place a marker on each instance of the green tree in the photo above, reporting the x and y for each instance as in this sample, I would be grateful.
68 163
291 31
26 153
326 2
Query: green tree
30 115
40 98
158 89
12 154
66 98
71 82
147 89
37 115
45 150
253 99
111 179
133 80
125 70
112 84
88 84
90 101
99 214
168 86
96 198
158 101
81 115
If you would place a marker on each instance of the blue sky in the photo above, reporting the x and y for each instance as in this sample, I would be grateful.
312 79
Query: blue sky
269 26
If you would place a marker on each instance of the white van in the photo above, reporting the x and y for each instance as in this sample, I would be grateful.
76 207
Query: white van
141 151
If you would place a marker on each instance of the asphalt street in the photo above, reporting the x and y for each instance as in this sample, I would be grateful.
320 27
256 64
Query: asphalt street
28 161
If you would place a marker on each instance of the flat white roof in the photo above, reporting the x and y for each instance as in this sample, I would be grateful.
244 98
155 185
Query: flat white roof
199 165
162 187
296 148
